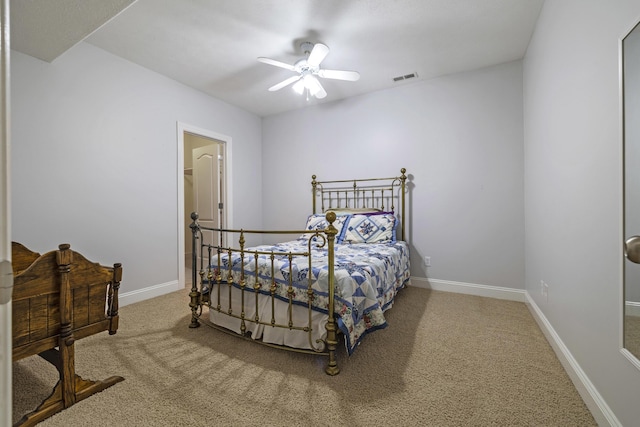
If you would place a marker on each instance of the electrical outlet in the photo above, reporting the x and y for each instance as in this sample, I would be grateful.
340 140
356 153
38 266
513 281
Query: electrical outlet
544 290
427 261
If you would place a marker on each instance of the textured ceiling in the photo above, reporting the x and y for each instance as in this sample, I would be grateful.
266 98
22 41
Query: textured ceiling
212 45
45 29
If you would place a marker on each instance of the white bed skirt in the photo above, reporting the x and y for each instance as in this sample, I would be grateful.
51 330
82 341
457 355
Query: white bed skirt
266 333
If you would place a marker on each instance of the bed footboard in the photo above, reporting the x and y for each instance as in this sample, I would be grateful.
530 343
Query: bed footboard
214 287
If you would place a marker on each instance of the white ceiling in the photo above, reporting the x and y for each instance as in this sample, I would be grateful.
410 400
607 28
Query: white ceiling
212 45
45 29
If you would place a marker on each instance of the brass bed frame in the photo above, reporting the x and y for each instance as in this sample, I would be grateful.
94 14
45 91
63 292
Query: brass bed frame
353 195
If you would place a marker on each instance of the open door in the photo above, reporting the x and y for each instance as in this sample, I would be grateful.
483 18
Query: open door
630 56
203 156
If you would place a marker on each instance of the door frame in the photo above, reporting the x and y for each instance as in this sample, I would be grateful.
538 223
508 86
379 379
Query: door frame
6 305
228 191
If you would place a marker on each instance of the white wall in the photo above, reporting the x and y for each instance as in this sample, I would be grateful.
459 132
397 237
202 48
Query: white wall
573 187
95 160
460 138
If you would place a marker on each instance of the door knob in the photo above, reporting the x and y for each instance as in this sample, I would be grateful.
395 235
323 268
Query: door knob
632 249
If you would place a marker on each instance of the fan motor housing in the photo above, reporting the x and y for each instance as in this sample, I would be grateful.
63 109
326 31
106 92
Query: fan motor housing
306 47
303 67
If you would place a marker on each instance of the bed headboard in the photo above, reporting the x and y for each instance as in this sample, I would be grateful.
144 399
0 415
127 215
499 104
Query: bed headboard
370 194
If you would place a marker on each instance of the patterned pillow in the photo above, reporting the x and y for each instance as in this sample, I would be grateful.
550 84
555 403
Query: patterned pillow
378 228
319 222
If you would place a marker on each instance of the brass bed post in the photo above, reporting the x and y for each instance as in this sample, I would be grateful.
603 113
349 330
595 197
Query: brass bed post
313 191
332 340
403 179
194 294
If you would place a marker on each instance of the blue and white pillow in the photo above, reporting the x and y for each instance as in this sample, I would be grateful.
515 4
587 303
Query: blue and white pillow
376 228
319 222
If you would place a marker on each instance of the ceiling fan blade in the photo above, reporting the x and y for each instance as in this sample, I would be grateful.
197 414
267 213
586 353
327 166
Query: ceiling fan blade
277 63
284 83
339 75
318 53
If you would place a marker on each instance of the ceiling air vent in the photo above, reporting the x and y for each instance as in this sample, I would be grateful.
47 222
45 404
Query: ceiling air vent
405 77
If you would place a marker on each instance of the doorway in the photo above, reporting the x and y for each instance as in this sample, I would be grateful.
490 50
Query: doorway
203 186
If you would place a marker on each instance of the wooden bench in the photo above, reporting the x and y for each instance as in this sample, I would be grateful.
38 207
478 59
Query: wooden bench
58 298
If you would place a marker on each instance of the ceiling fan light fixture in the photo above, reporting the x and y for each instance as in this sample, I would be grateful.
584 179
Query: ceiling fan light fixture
299 87
309 83
312 84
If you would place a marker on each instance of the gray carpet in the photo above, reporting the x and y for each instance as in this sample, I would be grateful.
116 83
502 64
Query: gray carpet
632 334
445 360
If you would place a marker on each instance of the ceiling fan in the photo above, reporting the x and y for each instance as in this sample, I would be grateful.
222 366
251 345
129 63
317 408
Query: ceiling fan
308 68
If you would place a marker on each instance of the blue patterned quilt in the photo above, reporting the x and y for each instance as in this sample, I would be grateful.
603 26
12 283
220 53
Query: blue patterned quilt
367 278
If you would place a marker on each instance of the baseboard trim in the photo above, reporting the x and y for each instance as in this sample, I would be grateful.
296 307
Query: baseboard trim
602 413
469 289
138 295
632 308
